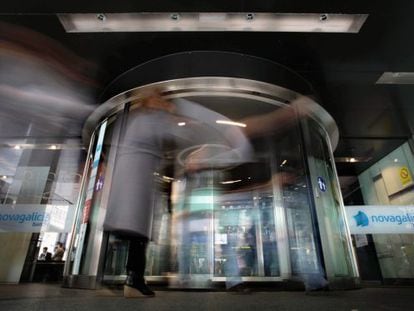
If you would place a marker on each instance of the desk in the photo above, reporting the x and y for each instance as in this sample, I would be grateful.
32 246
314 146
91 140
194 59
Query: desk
50 271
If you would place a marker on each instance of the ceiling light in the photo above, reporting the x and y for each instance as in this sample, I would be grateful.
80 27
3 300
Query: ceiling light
212 21
53 147
352 159
230 181
17 147
230 123
4 177
396 78
181 123
395 160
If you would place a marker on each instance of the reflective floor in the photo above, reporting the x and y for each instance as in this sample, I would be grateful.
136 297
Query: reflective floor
53 297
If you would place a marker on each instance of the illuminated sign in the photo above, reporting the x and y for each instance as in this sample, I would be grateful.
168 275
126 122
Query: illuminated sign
372 219
36 218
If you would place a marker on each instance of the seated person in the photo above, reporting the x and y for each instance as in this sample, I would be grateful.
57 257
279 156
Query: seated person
45 255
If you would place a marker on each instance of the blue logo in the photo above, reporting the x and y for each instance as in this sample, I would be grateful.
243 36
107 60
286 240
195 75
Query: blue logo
36 218
361 219
321 184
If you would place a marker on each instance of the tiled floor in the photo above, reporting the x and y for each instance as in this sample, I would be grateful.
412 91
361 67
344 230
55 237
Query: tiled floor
53 297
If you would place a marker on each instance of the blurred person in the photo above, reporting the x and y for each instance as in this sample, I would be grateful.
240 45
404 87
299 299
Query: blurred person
131 202
58 252
43 87
150 129
241 251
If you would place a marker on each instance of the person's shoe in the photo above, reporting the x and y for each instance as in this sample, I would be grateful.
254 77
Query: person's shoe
135 287
134 292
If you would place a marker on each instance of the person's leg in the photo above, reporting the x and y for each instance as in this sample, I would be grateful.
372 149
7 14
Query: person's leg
137 256
136 268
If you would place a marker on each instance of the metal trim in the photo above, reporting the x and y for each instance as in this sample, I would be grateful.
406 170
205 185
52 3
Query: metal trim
213 86
69 264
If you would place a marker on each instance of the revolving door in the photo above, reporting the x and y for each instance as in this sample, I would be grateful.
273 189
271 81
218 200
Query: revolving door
261 207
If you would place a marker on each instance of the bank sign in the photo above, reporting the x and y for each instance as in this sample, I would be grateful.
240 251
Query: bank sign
380 219
36 218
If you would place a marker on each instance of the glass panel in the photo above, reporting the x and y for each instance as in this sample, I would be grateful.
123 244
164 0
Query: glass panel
235 240
116 256
268 234
335 241
382 184
161 259
37 177
395 253
88 233
293 179
193 225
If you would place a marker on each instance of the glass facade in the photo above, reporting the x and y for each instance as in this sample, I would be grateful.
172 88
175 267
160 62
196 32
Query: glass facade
387 186
40 182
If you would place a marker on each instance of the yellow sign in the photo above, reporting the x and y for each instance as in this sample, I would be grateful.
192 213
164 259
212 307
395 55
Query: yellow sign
405 175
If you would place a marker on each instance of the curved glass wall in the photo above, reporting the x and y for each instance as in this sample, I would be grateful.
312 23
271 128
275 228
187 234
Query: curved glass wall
329 209
232 204
85 258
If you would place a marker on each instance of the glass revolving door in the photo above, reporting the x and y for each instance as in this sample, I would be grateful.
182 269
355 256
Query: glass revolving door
232 202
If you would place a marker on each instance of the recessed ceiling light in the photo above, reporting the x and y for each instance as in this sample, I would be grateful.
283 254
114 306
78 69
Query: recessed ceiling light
181 123
352 159
231 123
212 21
230 182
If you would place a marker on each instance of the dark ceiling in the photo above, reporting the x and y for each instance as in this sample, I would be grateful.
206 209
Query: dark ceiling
343 68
